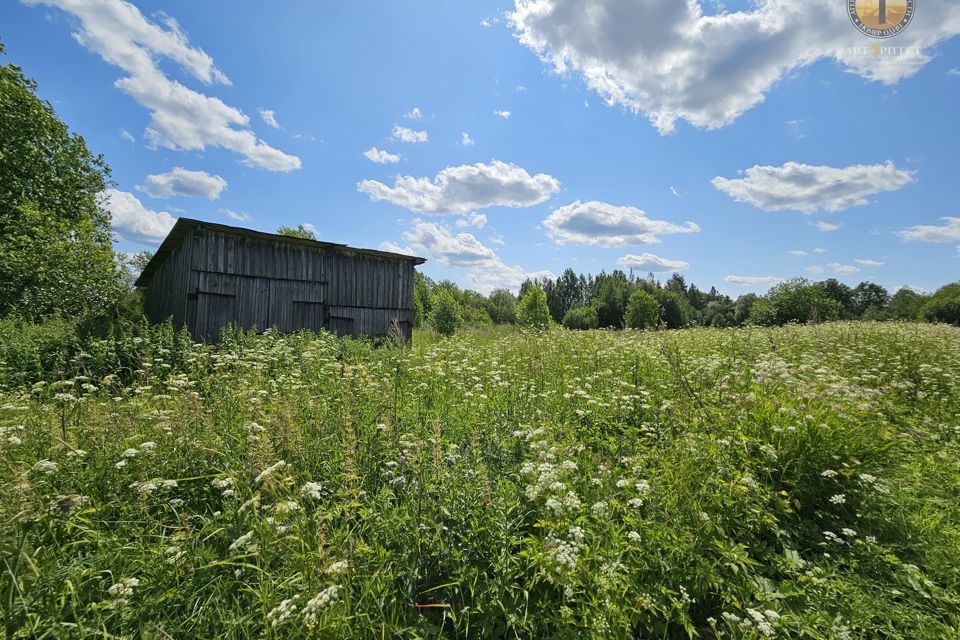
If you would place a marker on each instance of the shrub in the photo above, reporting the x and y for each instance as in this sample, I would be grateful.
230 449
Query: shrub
944 305
502 307
447 316
643 310
581 318
532 310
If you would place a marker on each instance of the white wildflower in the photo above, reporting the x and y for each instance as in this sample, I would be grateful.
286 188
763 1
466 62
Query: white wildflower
312 490
45 466
838 499
282 611
315 606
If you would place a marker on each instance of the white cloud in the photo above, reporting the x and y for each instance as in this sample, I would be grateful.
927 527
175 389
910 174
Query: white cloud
183 182
475 219
808 188
380 156
486 24
503 114
668 60
607 225
674 191
843 269
948 232
795 128
460 189
819 250
413 114
404 134
393 247
180 118
497 239
954 72
815 269
826 226
753 280
797 252
269 117
485 270
239 216
466 140
126 135
650 262
134 222
869 263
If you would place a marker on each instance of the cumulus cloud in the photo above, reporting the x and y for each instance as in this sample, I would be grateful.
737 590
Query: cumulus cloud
183 182
405 134
475 219
180 118
869 263
823 225
460 189
668 60
466 140
503 114
843 269
269 117
752 281
485 270
134 222
393 247
413 114
380 156
650 262
948 232
607 225
808 188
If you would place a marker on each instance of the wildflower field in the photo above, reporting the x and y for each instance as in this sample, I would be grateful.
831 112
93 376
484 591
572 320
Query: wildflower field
797 482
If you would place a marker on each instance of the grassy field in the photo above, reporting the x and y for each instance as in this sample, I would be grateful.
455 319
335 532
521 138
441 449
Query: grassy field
792 482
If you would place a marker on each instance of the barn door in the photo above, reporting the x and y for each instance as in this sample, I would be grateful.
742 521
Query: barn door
296 305
216 303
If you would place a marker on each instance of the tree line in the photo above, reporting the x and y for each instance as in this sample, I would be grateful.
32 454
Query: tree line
620 300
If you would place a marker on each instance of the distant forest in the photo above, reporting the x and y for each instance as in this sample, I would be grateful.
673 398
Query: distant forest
621 300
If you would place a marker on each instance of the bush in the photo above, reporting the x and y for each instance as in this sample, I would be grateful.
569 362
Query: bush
581 318
446 317
502 307
643 310
799 301
944 305
532 310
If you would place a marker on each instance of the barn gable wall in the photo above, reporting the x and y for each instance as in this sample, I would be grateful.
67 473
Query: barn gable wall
217 277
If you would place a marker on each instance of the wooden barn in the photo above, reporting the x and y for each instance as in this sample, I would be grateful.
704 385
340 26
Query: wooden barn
206 275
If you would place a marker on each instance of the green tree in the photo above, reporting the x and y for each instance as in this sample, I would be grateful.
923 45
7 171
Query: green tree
643 310
49 267
56 256
944 305
581 318
502 307
532 310
674 308
610 296
42 163
842 294
300 231
446 316
799 301
905 304
867 296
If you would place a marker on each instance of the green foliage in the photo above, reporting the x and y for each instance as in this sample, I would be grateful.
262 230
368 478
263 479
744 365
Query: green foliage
943 306
447 316
300 231
554 484
643 310
798 300
581 318
49 267
422 305
762 312
532 310
674 308
44 165
610 298
501 306
905 304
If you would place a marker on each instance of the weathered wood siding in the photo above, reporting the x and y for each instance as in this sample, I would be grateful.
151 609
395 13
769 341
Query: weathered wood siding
215 278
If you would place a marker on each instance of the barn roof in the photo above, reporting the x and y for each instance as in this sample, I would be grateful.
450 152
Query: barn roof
184 225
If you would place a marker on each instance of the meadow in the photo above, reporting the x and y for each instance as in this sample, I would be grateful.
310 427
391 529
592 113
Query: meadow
801 482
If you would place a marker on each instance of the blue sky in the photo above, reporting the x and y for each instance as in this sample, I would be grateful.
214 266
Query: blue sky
710 140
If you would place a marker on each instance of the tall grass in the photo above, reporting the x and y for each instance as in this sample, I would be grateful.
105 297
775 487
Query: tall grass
793 482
